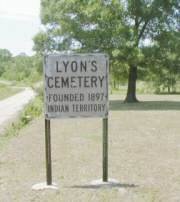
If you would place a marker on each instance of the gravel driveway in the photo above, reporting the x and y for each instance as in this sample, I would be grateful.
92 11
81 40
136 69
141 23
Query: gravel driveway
11 106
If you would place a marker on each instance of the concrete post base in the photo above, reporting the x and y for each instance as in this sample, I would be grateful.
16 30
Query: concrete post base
43 186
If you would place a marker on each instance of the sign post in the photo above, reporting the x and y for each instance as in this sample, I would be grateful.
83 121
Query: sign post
105 150
48 152
76 86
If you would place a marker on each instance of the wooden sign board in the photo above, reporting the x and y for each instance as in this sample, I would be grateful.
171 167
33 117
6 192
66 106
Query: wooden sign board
76 85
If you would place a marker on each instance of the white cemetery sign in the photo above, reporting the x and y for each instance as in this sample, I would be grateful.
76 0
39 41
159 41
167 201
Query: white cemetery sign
76 85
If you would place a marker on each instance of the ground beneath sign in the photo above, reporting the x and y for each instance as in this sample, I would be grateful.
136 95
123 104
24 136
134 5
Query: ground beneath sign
144 156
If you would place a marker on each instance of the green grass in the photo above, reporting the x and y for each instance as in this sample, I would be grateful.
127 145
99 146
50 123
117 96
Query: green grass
143 87
119 105
7 91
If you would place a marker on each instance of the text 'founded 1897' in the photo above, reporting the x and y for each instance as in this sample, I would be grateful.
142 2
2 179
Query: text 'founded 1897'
76 85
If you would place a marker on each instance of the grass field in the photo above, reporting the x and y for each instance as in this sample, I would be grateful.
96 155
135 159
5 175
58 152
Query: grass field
7 91
144 156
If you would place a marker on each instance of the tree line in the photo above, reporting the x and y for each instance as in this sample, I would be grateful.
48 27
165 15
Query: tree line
21 68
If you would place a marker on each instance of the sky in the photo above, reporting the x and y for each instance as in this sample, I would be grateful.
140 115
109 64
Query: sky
19 22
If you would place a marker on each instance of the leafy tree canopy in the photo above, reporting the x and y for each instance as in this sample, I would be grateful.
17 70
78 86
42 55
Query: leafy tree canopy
117 27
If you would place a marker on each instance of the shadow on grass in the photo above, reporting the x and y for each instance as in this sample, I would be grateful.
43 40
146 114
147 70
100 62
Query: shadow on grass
90 186
119 105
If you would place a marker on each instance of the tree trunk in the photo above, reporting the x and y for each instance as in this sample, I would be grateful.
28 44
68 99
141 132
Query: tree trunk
131 92
169 89
114 84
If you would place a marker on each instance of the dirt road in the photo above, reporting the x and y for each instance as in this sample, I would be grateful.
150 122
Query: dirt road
144 155
11 106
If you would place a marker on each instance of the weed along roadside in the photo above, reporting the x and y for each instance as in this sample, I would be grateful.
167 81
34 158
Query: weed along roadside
31 111
72 98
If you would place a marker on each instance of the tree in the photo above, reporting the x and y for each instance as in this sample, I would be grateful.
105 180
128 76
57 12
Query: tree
5 58
163 60
116 27
22 68
43 43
